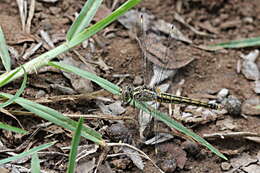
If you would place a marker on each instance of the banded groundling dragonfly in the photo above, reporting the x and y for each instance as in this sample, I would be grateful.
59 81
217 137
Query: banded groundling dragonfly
146 93
150 93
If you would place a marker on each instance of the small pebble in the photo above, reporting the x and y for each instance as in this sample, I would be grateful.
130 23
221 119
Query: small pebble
168 165
250 70
249 67
248 19
138 80
232 105
191 148
118 131
225 166
223 93
40 94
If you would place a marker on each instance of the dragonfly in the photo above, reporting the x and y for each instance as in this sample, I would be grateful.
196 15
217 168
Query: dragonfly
151 94
146 93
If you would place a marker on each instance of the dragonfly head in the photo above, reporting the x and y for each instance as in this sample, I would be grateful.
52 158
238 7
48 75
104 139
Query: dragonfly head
127 94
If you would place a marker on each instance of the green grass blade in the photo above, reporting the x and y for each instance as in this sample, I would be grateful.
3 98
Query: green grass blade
4 54
64 122
79 38
178 126
114 89
26 153
35 164
74 147
57 118
85 16
249 42
18 93
9 76
11 128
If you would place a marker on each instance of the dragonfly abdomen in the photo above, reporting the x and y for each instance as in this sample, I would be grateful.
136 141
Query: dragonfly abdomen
167 98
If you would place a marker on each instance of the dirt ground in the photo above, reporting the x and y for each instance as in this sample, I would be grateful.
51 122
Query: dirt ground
210 72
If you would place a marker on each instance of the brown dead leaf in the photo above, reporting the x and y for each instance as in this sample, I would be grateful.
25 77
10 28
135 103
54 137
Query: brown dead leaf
169 58
13 30
81 85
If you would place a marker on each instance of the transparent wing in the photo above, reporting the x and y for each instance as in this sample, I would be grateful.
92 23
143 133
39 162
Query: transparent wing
151 46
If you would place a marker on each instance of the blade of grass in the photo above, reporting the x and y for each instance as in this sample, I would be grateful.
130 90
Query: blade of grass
11 128
114 89
4 54
7 76
57 118
178 126
35 164
43 59
18 93
85 16
79 38
249 42
74 147
26 153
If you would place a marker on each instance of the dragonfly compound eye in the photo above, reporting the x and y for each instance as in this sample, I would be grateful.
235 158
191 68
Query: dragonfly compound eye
126 94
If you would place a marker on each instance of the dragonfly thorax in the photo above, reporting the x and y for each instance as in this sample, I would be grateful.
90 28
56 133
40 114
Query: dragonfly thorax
140 93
